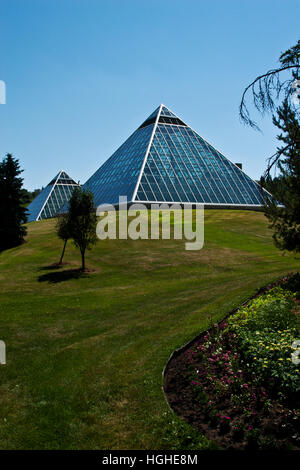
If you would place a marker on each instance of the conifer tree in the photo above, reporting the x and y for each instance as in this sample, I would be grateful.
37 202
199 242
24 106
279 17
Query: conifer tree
12 210
285 216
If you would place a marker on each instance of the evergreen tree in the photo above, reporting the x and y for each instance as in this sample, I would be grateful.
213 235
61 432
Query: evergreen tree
279 83
12 210
82 221
274 85
285 217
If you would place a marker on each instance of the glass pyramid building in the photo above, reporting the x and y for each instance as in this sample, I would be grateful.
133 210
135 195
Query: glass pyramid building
52 198
165 160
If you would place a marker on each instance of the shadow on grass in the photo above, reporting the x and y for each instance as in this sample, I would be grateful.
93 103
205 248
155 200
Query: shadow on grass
61 276
53 266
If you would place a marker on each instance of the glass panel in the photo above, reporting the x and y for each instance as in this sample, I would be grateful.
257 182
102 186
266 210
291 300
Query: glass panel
36 205
180 167
119 174
50 201
185 168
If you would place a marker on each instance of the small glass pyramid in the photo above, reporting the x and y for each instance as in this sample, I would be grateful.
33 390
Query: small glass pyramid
52 198
165 160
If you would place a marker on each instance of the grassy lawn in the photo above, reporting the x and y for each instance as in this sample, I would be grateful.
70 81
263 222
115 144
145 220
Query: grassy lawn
85 355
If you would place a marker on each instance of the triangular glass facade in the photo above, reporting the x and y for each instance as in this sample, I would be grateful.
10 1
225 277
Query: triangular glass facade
52 198
165 160
119 174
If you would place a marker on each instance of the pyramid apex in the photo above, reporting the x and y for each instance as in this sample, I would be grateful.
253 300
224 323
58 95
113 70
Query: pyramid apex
49 201
165 160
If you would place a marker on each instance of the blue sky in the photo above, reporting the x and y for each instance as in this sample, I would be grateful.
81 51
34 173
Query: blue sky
81 75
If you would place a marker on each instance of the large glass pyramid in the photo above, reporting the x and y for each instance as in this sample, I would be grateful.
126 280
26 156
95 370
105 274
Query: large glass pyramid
48 203
165 160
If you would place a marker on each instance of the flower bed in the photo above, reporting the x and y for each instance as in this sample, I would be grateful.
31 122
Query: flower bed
241 383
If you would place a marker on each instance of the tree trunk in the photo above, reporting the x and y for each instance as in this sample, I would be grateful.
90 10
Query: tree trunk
63 252
82 260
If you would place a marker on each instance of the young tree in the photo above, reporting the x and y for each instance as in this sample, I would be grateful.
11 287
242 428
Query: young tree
82 221
12 210
285 218
63 232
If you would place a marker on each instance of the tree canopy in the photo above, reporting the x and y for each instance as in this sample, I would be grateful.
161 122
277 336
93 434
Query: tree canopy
82 221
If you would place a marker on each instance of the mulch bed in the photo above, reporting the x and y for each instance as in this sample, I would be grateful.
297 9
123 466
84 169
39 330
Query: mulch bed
280 424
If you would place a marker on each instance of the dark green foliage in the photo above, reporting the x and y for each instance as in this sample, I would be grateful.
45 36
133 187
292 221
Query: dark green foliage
30 195
266 330
175 434
243 376
274 186
277 314
26 195
12 211
292 283
285 220
285 188
82 221
291 56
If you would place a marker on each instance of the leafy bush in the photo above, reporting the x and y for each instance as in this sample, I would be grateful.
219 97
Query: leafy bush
176 434
268 354
243 376
265 330
273 315
292 284
272 310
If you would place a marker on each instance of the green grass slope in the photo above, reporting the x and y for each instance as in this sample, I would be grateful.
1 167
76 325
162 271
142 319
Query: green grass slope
85 355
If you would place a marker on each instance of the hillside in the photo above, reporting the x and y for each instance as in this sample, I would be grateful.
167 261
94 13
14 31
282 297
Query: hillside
85 354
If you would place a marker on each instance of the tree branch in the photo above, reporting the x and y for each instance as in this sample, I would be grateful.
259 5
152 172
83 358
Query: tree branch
263 98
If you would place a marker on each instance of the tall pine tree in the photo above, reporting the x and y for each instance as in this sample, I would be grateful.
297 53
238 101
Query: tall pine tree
285 218
12 211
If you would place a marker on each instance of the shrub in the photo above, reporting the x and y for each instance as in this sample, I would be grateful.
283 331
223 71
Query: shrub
243 375
265 330
272 310
292 284
268 354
